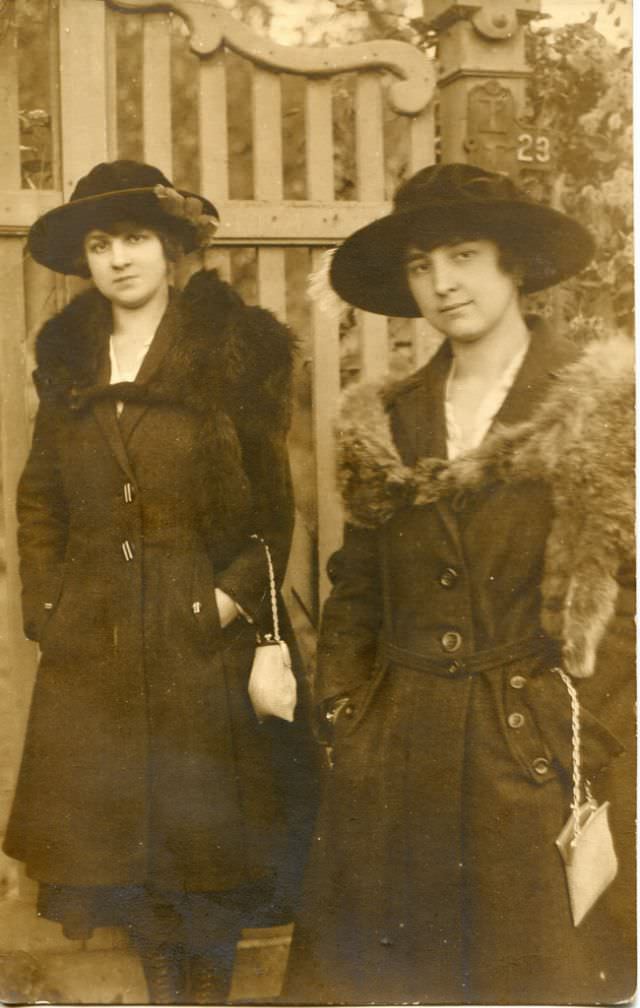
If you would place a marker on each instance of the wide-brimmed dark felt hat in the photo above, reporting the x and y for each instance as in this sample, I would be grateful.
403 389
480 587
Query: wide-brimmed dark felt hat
442 203
111 192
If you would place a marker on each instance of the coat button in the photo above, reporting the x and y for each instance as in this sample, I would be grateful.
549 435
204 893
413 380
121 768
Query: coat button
454 668
128 493
349 711
451 640
541 765
517 681
448 577
515 720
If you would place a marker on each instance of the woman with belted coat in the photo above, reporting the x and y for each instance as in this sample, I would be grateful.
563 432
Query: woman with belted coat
488 547
149 794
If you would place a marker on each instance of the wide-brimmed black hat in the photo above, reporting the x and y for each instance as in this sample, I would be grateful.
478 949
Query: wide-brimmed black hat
111 192
439 204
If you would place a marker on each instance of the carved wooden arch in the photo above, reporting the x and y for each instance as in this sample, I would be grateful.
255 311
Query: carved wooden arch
210 28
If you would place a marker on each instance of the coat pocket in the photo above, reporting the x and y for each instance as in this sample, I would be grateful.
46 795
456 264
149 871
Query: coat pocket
41 604
549 701
353 712
204 608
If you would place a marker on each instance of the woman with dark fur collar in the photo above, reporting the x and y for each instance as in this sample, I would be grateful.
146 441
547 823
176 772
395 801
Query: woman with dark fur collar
149 795
489 541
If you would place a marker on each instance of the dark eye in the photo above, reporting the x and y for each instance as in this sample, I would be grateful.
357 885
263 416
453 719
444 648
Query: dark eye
419 267
97 245
136 237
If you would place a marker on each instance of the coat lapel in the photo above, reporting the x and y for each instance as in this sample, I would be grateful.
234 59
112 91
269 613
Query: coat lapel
162 341
118 430
419 423
420 430
104 412
422 419
546 354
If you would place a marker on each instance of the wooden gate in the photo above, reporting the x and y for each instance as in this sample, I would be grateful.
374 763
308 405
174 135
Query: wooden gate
281 224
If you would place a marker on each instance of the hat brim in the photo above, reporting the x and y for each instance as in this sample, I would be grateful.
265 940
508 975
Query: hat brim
368 269
56 239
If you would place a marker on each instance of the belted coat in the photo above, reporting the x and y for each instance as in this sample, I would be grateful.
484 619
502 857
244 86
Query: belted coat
434 876
143 758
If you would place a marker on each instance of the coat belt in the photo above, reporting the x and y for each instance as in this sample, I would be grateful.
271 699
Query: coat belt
543 648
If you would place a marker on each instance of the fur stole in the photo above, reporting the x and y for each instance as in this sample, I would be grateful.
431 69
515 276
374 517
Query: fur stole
579 440
229 363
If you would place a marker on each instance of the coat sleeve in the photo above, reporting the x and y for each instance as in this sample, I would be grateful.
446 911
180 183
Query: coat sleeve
42 525
352 617
266 388
246 578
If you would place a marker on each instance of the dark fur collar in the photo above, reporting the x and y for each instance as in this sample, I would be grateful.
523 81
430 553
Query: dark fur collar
224 351
579 440
228 362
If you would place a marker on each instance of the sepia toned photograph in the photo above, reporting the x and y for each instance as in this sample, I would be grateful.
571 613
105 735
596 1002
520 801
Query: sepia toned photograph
317 434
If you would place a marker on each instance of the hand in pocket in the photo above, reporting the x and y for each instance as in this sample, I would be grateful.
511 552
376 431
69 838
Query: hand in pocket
227 609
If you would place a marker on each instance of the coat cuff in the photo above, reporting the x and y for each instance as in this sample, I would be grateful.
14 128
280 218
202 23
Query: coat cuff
246 581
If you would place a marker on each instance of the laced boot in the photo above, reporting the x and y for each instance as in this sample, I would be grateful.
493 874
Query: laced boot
165 973
207 984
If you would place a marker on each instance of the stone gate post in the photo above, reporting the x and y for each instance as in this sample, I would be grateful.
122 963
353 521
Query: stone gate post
482 74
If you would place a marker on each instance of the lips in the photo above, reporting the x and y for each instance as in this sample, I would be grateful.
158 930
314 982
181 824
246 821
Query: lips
454 307
124 279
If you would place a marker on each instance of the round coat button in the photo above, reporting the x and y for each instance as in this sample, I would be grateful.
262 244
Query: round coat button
448 577
518 681
451 640
515 720
541 765
454 668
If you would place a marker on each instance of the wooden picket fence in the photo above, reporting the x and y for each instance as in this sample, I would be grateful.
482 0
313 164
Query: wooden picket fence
285 238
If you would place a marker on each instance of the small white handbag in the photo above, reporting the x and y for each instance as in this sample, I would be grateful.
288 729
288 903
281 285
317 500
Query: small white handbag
273 690
585 842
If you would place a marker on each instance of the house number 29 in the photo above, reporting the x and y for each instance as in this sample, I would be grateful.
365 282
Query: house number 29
533 148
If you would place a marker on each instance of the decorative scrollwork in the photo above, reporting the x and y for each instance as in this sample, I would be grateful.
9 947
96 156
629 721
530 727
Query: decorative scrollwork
210 28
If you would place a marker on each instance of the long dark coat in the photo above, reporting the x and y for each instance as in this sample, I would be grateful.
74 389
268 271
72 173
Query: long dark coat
434 877
143 758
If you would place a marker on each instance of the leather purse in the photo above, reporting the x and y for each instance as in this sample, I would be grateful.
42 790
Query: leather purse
273 690
585 842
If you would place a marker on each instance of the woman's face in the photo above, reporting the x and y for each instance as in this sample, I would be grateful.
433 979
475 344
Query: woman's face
462 289
128 264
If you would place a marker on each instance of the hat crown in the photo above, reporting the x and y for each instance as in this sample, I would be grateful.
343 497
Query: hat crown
117 176
455 183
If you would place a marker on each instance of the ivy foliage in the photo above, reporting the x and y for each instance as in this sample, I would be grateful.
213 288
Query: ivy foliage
581 91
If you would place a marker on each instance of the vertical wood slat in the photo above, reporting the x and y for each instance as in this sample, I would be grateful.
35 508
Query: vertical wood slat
212 112
214 147
374 340
326 398
54 93
83 88
14 421
422 148
422 153
156 92
17 667
267 181
325 333
369 138
111 83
